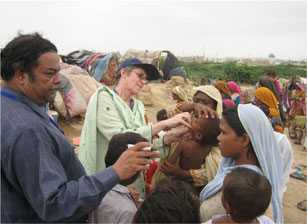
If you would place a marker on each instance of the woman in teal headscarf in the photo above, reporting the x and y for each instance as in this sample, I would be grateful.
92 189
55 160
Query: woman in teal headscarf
104 69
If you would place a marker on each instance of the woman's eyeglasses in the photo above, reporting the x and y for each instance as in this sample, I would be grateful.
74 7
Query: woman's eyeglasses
141 75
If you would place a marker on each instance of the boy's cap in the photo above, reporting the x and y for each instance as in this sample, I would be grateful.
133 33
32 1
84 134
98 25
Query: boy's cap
151 71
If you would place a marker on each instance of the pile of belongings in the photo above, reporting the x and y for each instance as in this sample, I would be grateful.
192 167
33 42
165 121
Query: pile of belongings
165 61
95 64
74 91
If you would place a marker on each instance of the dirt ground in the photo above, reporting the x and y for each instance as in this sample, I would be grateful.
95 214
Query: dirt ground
296 189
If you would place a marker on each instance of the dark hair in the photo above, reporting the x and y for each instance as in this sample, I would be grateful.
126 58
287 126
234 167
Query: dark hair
232 118
266 82
172 201
210 130
161 115
247 193
119 143
271 73
22 54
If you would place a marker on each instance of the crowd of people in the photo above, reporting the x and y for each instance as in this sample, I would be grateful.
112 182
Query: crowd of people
215 158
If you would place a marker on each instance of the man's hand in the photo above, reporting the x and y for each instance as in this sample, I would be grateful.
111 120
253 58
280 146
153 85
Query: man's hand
134 193
133 160
204 111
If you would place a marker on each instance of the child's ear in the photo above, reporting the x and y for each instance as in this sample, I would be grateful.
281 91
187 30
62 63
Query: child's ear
226 205
245 140
199 136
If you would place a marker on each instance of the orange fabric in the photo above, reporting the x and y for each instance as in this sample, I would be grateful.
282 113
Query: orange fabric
222 87
279 129
267 97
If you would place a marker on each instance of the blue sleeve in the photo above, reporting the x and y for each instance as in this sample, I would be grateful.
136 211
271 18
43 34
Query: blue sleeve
43 179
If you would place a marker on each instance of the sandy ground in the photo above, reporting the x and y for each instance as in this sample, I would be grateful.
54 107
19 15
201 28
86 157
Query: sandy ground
296 189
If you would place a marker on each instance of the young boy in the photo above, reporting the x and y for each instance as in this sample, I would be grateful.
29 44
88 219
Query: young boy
190 154
246 195
118 205
172 201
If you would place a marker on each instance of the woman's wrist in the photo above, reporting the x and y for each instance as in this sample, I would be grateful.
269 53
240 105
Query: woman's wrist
159 126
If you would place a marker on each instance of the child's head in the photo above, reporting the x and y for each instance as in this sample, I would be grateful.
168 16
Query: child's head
161 115
205 130
118 144
172 201
246 194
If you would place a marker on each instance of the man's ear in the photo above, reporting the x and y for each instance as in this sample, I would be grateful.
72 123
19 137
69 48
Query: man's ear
20 77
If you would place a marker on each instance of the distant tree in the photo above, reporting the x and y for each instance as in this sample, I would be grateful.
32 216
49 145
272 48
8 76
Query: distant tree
271 55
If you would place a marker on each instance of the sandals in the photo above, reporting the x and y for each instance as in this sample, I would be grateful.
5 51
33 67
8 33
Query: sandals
302 205
300 173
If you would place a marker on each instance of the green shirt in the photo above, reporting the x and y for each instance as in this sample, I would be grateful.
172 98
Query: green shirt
107 114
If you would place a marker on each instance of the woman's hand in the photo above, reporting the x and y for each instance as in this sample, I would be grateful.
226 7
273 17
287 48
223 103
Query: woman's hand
175 134
179 119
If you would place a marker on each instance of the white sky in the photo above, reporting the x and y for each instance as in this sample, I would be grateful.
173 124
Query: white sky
210 28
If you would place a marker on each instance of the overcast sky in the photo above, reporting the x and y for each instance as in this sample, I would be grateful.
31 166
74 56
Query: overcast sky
210 28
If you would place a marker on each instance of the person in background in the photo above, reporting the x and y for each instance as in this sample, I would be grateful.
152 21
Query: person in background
235 91
272 75
172 201
180 96
222 86
205 98
244 189
267 82
228 104
104 69
297 111
118 205
161 115
267 102
42 180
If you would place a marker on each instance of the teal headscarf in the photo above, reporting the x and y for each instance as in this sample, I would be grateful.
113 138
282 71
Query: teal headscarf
102 66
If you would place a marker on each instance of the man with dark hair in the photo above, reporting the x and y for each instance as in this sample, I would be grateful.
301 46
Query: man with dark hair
41 178
118 206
